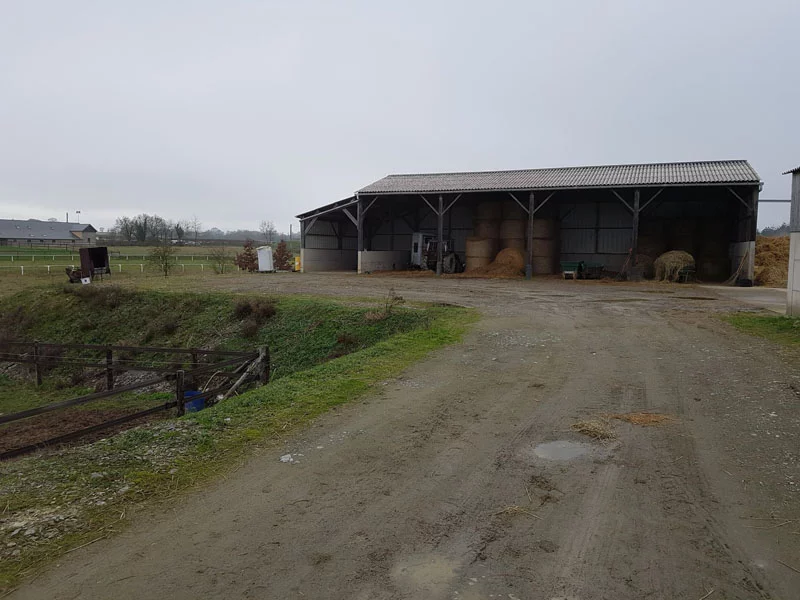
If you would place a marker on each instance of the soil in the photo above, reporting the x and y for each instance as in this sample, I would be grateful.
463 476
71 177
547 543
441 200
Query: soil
49 425
442 483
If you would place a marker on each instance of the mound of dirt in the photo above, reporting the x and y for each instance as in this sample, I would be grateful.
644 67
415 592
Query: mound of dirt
772 261
669 264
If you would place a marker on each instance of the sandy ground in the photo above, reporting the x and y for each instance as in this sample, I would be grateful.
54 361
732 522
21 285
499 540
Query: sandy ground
436 486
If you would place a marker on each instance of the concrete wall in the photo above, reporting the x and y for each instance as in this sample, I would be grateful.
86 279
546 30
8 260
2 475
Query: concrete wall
793 286
312 259
738 252
383 260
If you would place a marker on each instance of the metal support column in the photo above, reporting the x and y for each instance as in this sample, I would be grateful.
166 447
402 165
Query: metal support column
635 239
529 262
440 244
360 224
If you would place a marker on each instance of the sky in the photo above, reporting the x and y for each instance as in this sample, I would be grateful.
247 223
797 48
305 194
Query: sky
235 111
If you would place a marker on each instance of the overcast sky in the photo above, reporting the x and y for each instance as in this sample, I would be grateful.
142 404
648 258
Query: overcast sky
237 111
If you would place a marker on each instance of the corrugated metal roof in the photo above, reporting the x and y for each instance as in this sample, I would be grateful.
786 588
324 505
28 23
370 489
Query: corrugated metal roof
659 174
41 230
792 171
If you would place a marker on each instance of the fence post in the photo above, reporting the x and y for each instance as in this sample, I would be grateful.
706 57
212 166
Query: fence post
179 392
141 268
109 369
263 357
120 267
48 269
36 368
22 269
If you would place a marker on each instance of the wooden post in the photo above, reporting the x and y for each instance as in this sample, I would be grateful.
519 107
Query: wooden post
529 262
36 367
109 369
635 240
264 359
440 236
179 392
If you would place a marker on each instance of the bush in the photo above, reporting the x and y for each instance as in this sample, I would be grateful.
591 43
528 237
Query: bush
247 259
282 257
260 310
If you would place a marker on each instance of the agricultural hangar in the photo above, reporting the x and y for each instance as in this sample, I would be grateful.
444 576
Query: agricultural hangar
618 216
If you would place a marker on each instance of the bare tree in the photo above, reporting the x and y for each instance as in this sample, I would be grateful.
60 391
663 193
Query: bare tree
124 227
162 258
267 229
193 226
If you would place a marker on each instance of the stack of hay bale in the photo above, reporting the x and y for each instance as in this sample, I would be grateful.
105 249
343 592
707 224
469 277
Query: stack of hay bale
482 247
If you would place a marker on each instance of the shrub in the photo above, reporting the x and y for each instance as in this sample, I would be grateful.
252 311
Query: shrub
282 257
243 308
259 310
247 259
250 328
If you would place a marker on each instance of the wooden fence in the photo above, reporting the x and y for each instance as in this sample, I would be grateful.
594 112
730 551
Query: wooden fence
233 367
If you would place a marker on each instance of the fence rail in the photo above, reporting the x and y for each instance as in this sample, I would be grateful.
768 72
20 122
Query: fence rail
249 367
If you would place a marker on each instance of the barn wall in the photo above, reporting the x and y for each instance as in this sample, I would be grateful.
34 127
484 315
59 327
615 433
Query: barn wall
314 259
383 260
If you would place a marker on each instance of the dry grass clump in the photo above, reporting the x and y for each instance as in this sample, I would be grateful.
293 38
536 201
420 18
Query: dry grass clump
772 261
598 429
642 418
669 264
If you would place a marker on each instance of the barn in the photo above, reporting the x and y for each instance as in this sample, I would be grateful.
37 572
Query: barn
618 216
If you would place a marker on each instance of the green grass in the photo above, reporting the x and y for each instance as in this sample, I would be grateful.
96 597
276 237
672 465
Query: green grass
158 461
303 332
784 330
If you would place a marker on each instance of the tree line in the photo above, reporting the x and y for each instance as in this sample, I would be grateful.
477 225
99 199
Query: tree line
153 228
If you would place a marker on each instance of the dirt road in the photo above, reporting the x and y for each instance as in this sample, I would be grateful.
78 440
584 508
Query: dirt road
437 486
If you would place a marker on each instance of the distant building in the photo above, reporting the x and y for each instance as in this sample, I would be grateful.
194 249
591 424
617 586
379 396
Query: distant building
36 233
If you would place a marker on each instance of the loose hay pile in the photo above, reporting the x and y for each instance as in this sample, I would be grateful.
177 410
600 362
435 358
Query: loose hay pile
772 261
509 262
669 264
598 429
644 419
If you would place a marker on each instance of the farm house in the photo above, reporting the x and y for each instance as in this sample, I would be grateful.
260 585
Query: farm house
617 216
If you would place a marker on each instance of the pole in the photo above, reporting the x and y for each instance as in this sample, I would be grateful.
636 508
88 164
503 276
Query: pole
440 243
264 366
635 240
109 369
179 392
529 263
36 367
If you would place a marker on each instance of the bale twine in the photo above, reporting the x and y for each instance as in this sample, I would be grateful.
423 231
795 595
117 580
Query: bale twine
670 263
487 229
489 211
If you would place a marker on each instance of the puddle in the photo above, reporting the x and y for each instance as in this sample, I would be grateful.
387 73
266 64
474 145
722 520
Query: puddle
561 450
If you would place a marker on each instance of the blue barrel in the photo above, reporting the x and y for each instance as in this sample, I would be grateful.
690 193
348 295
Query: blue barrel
194 405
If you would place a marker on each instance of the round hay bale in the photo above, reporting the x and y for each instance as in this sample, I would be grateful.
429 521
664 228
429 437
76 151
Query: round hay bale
480 247
511 229
487 229
670 263
510 257
489 211
544 247
477 262
544 228
518 243
513 211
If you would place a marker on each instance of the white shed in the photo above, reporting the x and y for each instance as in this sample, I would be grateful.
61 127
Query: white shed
265 259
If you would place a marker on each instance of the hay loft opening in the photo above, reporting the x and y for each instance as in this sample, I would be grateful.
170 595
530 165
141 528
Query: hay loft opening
619 216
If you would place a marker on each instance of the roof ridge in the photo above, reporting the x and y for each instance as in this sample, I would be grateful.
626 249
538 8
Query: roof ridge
615 166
